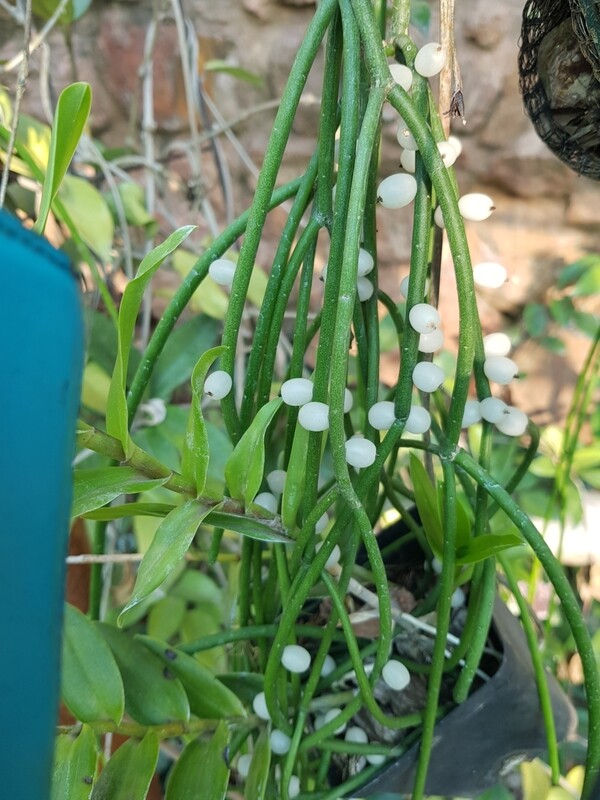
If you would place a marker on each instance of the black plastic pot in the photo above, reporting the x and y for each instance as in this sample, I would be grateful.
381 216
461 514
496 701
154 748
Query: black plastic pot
497 726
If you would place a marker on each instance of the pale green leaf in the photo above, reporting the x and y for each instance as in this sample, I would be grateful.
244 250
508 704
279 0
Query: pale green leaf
128 772
94 488
74 766
202 763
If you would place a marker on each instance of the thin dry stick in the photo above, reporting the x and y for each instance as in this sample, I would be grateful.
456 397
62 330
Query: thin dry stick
20 92
33 45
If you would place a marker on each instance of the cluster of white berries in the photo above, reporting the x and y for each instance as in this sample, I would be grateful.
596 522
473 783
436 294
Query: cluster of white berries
365 265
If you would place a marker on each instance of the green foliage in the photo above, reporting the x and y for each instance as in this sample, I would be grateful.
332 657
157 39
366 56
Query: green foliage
128 772
258 777
93 488
202 763
74 765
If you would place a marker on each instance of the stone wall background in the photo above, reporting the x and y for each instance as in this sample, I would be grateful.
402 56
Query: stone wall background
546 215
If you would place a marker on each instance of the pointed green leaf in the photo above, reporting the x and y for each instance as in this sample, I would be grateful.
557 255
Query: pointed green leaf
92 688
427 505
195 455
247 526
209 698
153 695
74 766
171 542
93 488
217 65
130 510
72 111
293 491
202 764
245 466
258 776
485 546
117 419
87 210
165 617
128 772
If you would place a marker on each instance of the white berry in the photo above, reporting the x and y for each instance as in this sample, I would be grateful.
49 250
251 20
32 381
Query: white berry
280 742
218 384
294 786
456 144
475 207
295 658
334 557
489 275
360 452
408 160
430 59
328 666
458 598
276 480
356 735
419 420
424 318
496 344
427 376
332 714
322 523
364 289
375 759
395 674
222 271
438 217
259 704
404 136
448 153
404 286
243 765
492 409
297 391
397 190
382 415
348 401
471 414
500 369
366 263
402 75
314 416
512 422
431 342
266 500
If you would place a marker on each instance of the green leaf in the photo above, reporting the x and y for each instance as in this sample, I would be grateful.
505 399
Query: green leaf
70 117
202 763
195 455
92 688
589 283
535 779
573 272
175 364
293 491
74 766
245 685
245 466
562 310
171 542
95 386
553 344
129 510
89 213
246 526
72 12
535 319
258 776
165 617
216 65
153 695
209 698
93 488
128 772
117 419
133 201
427 505
209 298
587 323
485 546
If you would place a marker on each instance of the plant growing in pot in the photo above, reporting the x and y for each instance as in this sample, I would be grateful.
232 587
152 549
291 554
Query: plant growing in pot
288 695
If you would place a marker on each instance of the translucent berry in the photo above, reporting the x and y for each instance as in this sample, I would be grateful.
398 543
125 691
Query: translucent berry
456 144
356 735
431 342
496 344
332 714
322 523
404 136
430 59
395 674
402 75
280 742
489 275
222 271
243 765
382 415
364 289
438 217
374 759
419 420
334 557
427 376
397 190
365 263
297 391
458 598
276 480
512 422
471 414
407 160
295 658
475 207
404 286
218 384
500 369
293 787
492 409
314 416
448 153
348 401
266 500
424 318
328 666
259 704
360 452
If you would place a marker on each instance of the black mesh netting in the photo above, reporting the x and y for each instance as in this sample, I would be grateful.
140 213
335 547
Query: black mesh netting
560 91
